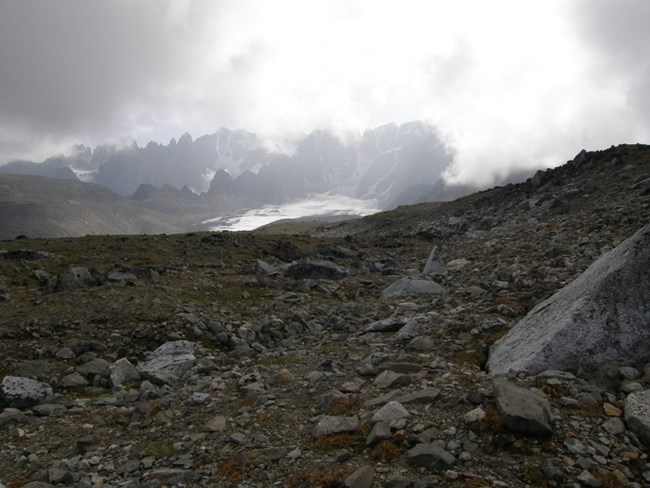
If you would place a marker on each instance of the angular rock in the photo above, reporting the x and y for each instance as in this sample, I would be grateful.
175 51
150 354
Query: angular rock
22 392
391 324
72 381
600 317
117 277
216 424
11 416
420 344
637 414
264 268
614 426
588 479
59 476
332 399
169 362
411 329
434 266
382 399
523 411
380 432
335 425
389 379
361 478
391 411
427 395
72 278
474 415
431 457
266 456
47 409
412 286
122 372
95 367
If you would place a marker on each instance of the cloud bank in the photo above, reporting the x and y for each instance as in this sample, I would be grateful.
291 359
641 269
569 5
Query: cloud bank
507 83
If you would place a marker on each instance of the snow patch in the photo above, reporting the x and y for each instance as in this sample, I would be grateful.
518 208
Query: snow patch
319 205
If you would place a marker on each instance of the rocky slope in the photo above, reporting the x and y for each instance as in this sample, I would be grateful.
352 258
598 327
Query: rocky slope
300 359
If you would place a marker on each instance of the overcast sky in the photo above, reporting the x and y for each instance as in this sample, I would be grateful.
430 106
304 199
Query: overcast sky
507 83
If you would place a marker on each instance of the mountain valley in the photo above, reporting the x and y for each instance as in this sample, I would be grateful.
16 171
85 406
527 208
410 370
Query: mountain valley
317 353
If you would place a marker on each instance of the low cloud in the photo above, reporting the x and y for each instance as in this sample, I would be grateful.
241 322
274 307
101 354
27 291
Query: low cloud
509 84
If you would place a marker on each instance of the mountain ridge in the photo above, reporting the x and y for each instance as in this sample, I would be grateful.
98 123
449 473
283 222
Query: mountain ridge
379 164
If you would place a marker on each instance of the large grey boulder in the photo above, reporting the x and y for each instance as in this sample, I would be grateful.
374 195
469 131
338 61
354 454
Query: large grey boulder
412 286
602 316
22 392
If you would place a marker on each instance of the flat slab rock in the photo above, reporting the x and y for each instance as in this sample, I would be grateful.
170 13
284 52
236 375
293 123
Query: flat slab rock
600 317
412 286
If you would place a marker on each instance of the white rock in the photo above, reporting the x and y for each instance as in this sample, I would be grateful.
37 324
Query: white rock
600 317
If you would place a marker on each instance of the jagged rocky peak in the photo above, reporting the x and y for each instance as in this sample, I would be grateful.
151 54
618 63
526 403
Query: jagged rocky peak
381 164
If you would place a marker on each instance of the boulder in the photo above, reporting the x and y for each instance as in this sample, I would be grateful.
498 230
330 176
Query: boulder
169 362
600 317
94 367
411 329
431 457
637 414
363 477
389 379
412 286
22 392
391 324
427 395
123 372
434 266
523 411
390 412
73 380
380 432
73 278
335 425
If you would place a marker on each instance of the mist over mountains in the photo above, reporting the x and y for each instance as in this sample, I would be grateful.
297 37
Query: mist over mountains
382 164
189 184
